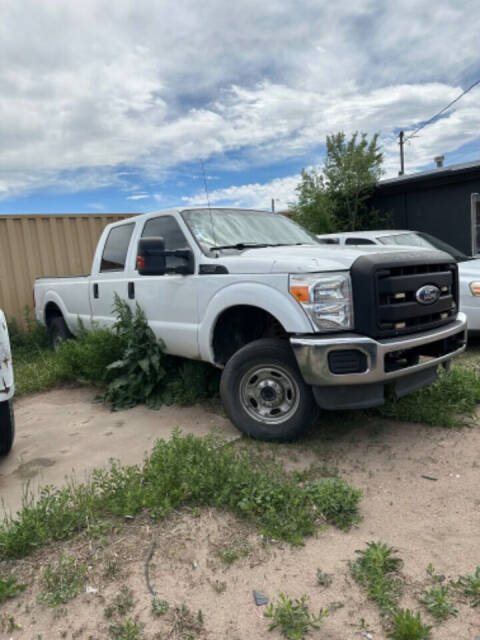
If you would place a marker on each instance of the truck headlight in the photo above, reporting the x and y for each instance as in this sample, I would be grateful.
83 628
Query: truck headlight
327 299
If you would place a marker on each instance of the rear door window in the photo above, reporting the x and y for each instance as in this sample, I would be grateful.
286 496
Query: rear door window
116 248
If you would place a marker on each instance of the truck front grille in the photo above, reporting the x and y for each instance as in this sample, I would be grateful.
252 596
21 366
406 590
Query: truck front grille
385 293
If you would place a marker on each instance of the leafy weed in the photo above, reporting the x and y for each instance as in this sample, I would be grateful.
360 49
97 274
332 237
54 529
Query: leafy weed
9 588
408 626
293 617
437 601
62 580
376 568
470 587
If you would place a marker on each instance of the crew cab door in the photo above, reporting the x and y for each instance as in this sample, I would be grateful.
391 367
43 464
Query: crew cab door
111 275
170 300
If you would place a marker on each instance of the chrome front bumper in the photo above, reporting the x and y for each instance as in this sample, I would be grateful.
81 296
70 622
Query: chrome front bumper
312 354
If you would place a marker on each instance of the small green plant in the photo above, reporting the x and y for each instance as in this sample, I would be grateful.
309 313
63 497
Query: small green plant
231 553
185 623
9 588
124 601
470 587
128 630
219 586
293 617
111 569
376 568
408 626
159 607
436 600
323 579
8 624
62 580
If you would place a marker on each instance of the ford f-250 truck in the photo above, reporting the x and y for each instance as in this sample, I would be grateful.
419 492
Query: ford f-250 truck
294 324
7 423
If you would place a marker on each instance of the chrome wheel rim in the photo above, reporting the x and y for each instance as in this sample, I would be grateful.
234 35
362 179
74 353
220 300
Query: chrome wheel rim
269 394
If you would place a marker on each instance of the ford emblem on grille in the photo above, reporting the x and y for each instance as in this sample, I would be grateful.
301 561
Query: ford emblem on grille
427 294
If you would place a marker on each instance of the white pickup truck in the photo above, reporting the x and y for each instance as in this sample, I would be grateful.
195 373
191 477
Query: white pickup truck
7 422
294 324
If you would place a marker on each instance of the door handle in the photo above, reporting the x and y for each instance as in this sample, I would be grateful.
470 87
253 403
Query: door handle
131 290
95 290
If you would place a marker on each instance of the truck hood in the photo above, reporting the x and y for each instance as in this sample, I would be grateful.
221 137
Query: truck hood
300 259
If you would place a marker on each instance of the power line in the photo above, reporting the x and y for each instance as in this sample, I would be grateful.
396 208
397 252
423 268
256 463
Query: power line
442 110
403 138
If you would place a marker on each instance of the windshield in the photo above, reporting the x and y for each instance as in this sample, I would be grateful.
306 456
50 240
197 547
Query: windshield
229 228
417 239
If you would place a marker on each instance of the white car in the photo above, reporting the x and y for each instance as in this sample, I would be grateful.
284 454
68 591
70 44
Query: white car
7 423
468 268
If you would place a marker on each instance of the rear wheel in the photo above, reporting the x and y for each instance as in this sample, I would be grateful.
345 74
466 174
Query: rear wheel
264 393
7 427
59 332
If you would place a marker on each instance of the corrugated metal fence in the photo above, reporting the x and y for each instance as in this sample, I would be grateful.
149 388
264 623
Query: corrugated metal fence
44 245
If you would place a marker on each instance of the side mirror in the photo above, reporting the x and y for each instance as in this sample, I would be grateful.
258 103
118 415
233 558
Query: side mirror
152 258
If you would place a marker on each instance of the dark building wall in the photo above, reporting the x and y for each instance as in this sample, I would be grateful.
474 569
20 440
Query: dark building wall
437 204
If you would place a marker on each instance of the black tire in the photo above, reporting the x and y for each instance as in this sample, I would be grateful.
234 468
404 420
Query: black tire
264 394
7 427
58 331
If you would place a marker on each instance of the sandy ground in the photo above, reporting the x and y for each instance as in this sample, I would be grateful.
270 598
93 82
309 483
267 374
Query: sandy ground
428 520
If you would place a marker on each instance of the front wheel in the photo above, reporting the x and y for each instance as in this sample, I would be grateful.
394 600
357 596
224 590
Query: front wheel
264 393
7 427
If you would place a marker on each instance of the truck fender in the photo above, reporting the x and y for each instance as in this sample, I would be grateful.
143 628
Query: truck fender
52 296
280 305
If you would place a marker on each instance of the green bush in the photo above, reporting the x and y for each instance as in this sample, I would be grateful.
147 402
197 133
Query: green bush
27 337
127 362
445 403
142 373
86 359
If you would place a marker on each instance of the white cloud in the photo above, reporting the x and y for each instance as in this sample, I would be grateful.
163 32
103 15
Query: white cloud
138 196
255 196
91 89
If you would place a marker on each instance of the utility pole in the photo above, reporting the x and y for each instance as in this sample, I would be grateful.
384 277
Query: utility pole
402 160
273 205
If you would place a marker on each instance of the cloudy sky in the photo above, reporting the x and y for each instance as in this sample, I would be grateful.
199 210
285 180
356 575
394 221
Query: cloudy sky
115 106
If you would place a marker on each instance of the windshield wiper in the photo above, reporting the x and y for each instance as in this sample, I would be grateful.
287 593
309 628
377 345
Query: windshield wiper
252 245
243 245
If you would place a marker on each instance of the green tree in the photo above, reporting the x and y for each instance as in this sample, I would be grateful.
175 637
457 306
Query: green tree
314 206
337 199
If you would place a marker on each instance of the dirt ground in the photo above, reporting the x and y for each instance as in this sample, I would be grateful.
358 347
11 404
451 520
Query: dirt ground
429 520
